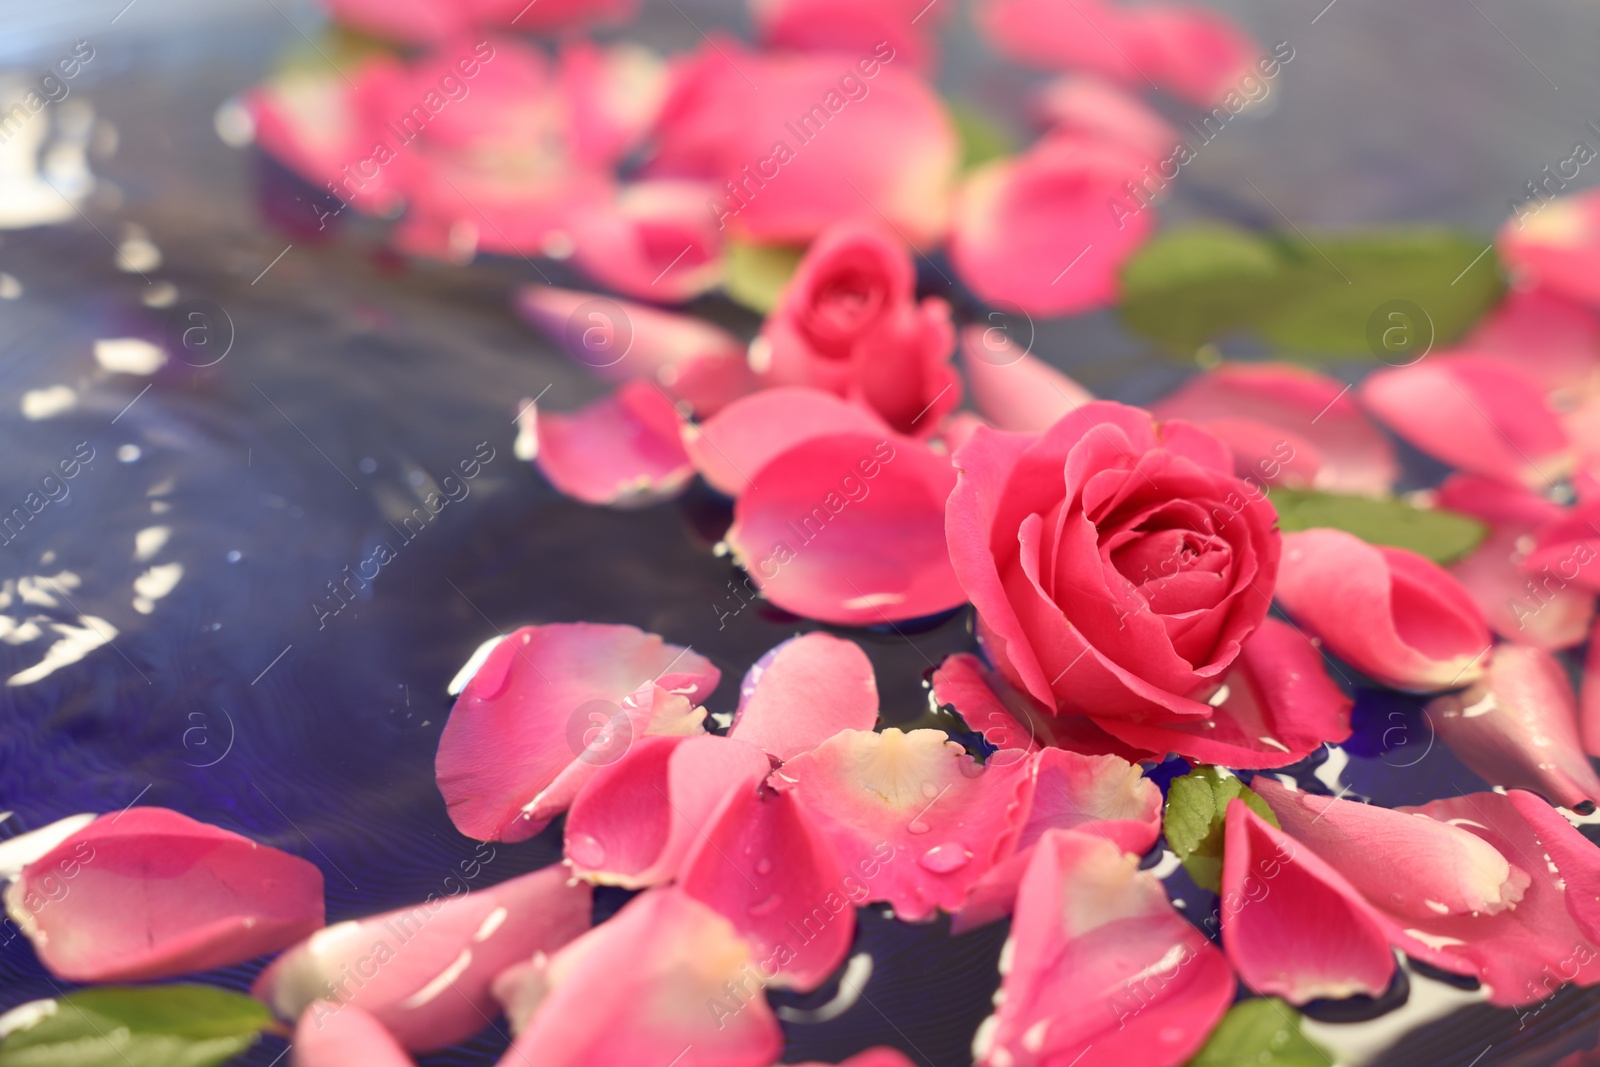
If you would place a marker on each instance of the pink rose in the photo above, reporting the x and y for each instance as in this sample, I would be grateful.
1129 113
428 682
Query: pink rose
849 323
1118 567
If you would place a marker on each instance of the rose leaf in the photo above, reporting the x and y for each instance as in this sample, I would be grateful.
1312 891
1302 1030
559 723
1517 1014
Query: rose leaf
755 274
143 1026
1262 1032
1441 536
1197 804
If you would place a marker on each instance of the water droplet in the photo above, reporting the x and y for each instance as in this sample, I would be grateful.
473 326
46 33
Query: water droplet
586 851
763 866
929 789
945 858
234 555
766 907
917 826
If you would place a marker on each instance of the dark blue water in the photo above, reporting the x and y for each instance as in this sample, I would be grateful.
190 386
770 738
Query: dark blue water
356 381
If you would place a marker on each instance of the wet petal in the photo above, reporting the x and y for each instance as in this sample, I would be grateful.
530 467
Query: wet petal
1390 613
913 808
666 977
1565 550
424 972
1545 335
766 867
619 340
1288 425
1014 390
625 450
1292 926
547 699
849 529
637 818
1555 244
655 241
149 893
1476 413
1033 231
803 692
751 432
1104 971
1517 727
1416 869
333 1035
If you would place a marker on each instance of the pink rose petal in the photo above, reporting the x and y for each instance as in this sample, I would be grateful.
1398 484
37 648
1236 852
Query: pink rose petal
1104 972
1538 609
794 142
1474 412
1565 550
1288 425
915 803
619 340
666 977
1517 727
424 972
1291 925
1014 390
637 818
1034 231
842 26
803 692
729 448
764 865
1105 796
1011 720
547 700
1399 618
655 241
1556 246
873 1057
1085 105
1544 335
849 529
150 893
625 450
613 95
333 1035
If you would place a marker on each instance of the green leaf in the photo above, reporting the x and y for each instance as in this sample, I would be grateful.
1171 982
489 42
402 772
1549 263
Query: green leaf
1389 294
1262 1032
1197 804
983 137
1442 536
754 275
142 1026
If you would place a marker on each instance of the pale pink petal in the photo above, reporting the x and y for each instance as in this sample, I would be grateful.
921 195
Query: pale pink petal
666 977
1390 613
849 529
1034 231
1556 245
547 698
149 893
1540 608
1015 390
335 1035
1517 727
1190 51
803 692
424 972
625 450
1522 954
1086 105
794 142
1105 796
1104 972
913 803
1276 705
655 241
636 819
1545 335
843 26
1292 926
1415 869
729 448
619 340
1476 413
1285 423
767 867
613 95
